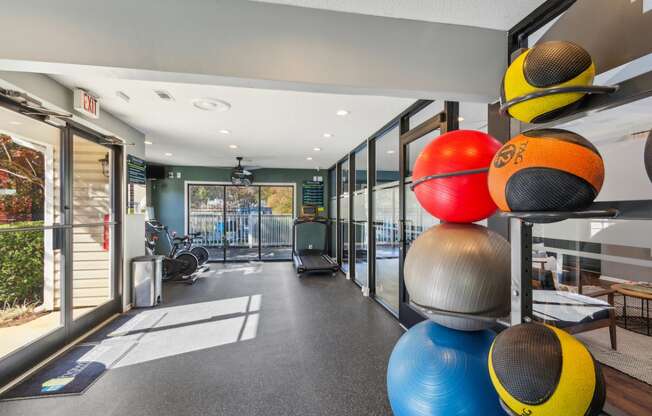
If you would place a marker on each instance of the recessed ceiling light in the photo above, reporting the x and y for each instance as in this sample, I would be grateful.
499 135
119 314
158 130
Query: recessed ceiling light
309 158
391 152
168 154
147 142
460 118
342 112
15 123
225 131
233 146
211 104
328 135
316 149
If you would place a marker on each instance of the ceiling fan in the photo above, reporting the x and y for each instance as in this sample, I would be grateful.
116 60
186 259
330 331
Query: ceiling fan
240 175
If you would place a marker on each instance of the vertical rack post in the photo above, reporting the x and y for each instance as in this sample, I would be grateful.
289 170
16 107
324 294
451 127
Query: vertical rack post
521 251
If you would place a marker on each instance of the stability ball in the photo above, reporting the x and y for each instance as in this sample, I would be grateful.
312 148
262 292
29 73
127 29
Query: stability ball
547 65
450 176
541 370
435 370
546 170
462 268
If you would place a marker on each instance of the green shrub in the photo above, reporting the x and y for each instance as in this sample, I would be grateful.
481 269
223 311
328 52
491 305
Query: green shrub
21 265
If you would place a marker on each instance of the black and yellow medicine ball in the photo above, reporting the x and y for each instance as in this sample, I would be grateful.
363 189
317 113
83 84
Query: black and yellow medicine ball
553 64
546 170
540 370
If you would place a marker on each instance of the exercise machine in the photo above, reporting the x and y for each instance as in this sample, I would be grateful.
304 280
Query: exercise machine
308 255
187 243
179 264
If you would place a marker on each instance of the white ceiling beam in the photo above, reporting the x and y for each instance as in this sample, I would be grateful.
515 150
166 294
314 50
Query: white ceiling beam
242 43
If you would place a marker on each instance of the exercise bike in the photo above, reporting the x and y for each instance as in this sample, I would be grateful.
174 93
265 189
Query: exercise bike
179 265
187 243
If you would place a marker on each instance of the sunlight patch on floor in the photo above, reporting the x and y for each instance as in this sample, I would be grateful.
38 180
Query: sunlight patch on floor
182 329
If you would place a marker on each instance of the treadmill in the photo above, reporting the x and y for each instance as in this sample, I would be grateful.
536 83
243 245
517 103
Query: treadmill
312 257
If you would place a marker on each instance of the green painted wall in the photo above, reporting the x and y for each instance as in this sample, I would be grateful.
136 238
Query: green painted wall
166 195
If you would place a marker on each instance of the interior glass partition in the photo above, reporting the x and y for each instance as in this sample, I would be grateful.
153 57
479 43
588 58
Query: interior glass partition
359 222
332 210
344 215
386 219
592 277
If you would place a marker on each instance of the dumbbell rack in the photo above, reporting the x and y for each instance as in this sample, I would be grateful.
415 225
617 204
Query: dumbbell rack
520 237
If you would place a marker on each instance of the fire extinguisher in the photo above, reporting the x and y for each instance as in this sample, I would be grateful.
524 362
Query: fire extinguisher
105 239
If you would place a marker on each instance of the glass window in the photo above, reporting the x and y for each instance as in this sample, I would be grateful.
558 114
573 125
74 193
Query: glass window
361 169
332 182
386 227
414 149
620 134
344 231
387 151
581 270
473 116
344 177
426 113
30 272
417 220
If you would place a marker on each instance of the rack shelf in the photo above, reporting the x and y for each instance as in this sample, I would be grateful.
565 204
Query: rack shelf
554 216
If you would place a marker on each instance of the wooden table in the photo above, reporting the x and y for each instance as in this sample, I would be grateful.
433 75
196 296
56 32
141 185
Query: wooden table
626 290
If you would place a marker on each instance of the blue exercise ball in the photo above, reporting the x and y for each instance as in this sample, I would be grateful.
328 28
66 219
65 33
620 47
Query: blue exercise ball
435 370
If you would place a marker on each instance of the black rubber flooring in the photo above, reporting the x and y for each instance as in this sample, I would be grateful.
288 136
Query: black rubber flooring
247 339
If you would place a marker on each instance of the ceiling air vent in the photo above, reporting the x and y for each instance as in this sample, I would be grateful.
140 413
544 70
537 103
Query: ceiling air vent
164 95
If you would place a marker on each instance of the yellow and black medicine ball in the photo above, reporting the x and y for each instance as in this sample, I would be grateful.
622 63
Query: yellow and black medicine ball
540 370
546 170
553 64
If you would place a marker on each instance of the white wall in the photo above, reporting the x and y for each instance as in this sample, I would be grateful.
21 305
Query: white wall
235 42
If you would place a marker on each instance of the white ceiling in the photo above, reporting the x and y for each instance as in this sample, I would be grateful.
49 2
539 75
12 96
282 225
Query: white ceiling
276 129
492 14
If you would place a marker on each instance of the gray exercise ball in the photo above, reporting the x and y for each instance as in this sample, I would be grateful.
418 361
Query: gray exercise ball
462 268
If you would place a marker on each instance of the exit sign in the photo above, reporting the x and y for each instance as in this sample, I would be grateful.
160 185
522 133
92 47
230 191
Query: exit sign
86 104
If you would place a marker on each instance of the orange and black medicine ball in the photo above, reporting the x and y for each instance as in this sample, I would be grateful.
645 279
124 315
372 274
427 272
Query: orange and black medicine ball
540 69
546 170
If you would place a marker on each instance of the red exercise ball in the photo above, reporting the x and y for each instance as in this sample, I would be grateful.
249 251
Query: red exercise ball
459 161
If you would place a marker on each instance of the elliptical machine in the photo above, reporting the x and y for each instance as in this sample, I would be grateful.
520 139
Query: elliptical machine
179 264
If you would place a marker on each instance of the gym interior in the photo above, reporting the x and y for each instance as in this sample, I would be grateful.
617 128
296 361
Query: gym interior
308 207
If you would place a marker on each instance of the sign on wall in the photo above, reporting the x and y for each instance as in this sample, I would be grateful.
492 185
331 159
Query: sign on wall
86 103
313 193
136 190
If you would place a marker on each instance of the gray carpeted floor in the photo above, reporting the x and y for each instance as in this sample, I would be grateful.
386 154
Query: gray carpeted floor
248 339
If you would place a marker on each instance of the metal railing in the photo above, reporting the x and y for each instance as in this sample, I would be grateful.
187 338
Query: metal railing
241 230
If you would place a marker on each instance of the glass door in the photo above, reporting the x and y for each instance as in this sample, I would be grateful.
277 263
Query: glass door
241 223
92 232
30 214
276 220
206 217
426 125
